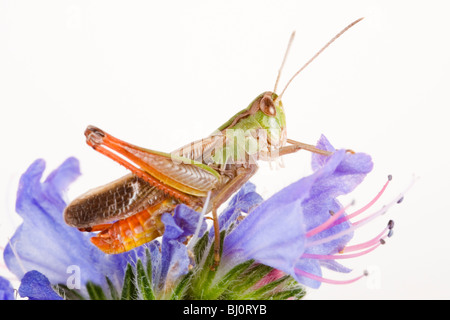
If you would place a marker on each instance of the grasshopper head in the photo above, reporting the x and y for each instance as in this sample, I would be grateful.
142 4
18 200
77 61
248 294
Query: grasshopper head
261 126
270 118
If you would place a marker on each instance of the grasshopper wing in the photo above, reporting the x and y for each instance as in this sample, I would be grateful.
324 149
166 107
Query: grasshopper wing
116 200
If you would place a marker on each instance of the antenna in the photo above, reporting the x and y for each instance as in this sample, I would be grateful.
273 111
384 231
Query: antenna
291 39
318 53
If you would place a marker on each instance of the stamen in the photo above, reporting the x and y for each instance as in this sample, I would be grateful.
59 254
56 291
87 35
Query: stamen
339 256
367 243
361 222
391 223
367 206
333 220
384 209
325 280
372 244
327 223
350 229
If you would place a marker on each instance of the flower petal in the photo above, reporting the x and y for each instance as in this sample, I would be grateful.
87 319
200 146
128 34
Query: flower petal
174 256
345 178
244 200
317 160
310 266
154 249
175 261
335 266
322 200
36 286
171 229
6 290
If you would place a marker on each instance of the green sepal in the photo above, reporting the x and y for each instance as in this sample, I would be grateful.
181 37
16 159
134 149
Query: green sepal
246 281
112 289
280 289
265 290
204 273
200 247
291 289
180 291
220 287
295 294
129 290
95 291
66 293
149 265
144 282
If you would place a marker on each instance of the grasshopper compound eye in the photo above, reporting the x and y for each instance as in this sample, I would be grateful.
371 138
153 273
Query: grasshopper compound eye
267 106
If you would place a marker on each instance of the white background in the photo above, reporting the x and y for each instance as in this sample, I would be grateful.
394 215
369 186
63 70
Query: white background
163 73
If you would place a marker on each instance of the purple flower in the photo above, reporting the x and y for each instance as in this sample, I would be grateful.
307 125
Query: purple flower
6 290
243 201
43 242
303 227
36 286
174 254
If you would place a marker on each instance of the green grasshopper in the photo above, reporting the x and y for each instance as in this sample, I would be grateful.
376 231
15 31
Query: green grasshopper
126 213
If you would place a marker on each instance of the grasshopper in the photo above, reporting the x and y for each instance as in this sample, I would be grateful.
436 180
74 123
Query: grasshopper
127 212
